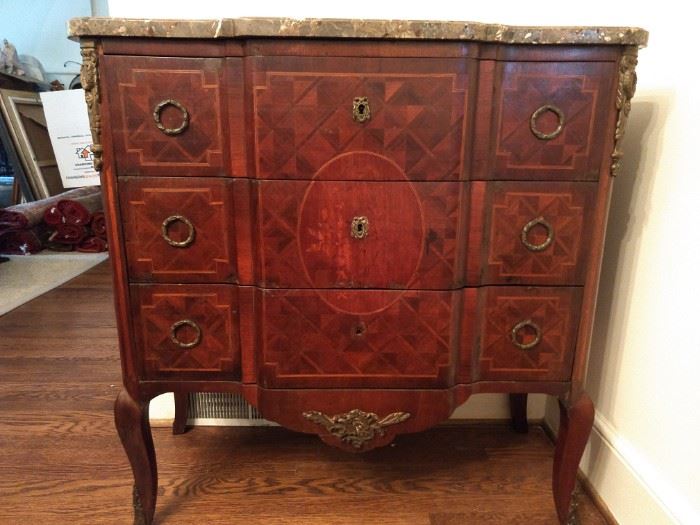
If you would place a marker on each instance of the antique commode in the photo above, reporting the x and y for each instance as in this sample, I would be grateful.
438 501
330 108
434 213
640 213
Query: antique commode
355 224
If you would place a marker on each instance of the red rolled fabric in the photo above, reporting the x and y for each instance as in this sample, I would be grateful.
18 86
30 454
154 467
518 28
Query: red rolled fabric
68 234
92 245
19 242
53 216
73 212
99 224
12 220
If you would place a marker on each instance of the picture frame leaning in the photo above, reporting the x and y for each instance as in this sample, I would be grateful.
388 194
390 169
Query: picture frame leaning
23 117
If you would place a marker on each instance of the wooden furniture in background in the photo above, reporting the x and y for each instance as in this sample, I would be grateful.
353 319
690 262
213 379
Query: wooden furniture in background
355 232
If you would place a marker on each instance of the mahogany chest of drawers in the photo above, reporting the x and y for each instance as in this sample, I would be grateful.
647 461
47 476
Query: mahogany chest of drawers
355 224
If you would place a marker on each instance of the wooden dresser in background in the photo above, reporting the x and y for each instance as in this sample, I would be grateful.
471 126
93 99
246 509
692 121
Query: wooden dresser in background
355 224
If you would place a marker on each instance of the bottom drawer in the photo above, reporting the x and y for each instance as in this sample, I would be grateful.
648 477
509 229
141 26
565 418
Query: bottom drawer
187 332
302 338
357 338
527 333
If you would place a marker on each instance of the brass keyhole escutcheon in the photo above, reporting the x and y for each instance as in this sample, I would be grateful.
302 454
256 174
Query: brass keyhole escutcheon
189 344
515 335
539 221
359 228
552 134
359 330
159 109
360 109
190 231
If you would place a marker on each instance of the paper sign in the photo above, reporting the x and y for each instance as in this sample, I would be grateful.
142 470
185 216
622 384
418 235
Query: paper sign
69 130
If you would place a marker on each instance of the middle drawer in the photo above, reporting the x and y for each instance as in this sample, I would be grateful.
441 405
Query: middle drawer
361 234
384 234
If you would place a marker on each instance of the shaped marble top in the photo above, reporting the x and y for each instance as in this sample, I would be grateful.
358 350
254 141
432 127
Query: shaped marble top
351 28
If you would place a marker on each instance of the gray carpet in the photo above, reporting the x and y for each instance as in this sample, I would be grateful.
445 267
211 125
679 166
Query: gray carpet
25 277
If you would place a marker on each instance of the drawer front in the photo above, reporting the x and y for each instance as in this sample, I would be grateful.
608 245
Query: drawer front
167 115
533 232
550 119
412 111
187 332
528 334
355 338
179 229
333 234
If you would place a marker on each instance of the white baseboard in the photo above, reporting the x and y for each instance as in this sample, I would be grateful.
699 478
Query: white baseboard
632 490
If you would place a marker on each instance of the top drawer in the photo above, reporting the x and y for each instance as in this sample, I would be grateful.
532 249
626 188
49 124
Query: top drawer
310 110
168 115
548 122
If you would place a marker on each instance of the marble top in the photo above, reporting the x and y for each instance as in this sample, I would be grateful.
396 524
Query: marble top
347 28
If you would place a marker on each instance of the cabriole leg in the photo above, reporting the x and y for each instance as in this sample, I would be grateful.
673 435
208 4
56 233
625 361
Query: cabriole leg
575 426
131 418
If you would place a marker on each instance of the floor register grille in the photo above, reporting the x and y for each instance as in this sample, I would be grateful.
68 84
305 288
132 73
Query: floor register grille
213 408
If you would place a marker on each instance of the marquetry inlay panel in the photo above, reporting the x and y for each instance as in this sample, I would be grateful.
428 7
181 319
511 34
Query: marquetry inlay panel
139 85
304 114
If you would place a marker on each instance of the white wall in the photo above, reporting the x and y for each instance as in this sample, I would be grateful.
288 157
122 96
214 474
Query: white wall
646 349
38 28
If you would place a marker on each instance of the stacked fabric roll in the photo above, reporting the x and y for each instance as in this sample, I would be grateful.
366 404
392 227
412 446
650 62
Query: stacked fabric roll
66 222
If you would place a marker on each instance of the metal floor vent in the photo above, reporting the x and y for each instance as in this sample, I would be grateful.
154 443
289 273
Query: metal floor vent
223 409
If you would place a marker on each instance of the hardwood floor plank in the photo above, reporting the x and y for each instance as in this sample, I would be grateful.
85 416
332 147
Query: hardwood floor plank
57 369
28 396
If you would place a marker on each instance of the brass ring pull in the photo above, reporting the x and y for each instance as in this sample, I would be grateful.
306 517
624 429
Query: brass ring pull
186 322
177 244
533 122
360 109
359 228
185 116
526 230
523 324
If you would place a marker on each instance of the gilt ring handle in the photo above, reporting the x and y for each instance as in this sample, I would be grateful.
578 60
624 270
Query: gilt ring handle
523 324
526 230
185 116
177 218
186 322
536 114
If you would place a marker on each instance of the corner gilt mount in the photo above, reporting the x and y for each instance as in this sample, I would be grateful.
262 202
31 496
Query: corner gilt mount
90 82
626 86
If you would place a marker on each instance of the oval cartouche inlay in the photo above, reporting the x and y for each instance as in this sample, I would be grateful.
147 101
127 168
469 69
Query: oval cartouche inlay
373 187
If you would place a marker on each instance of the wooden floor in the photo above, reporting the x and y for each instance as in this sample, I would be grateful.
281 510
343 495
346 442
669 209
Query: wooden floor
61 461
